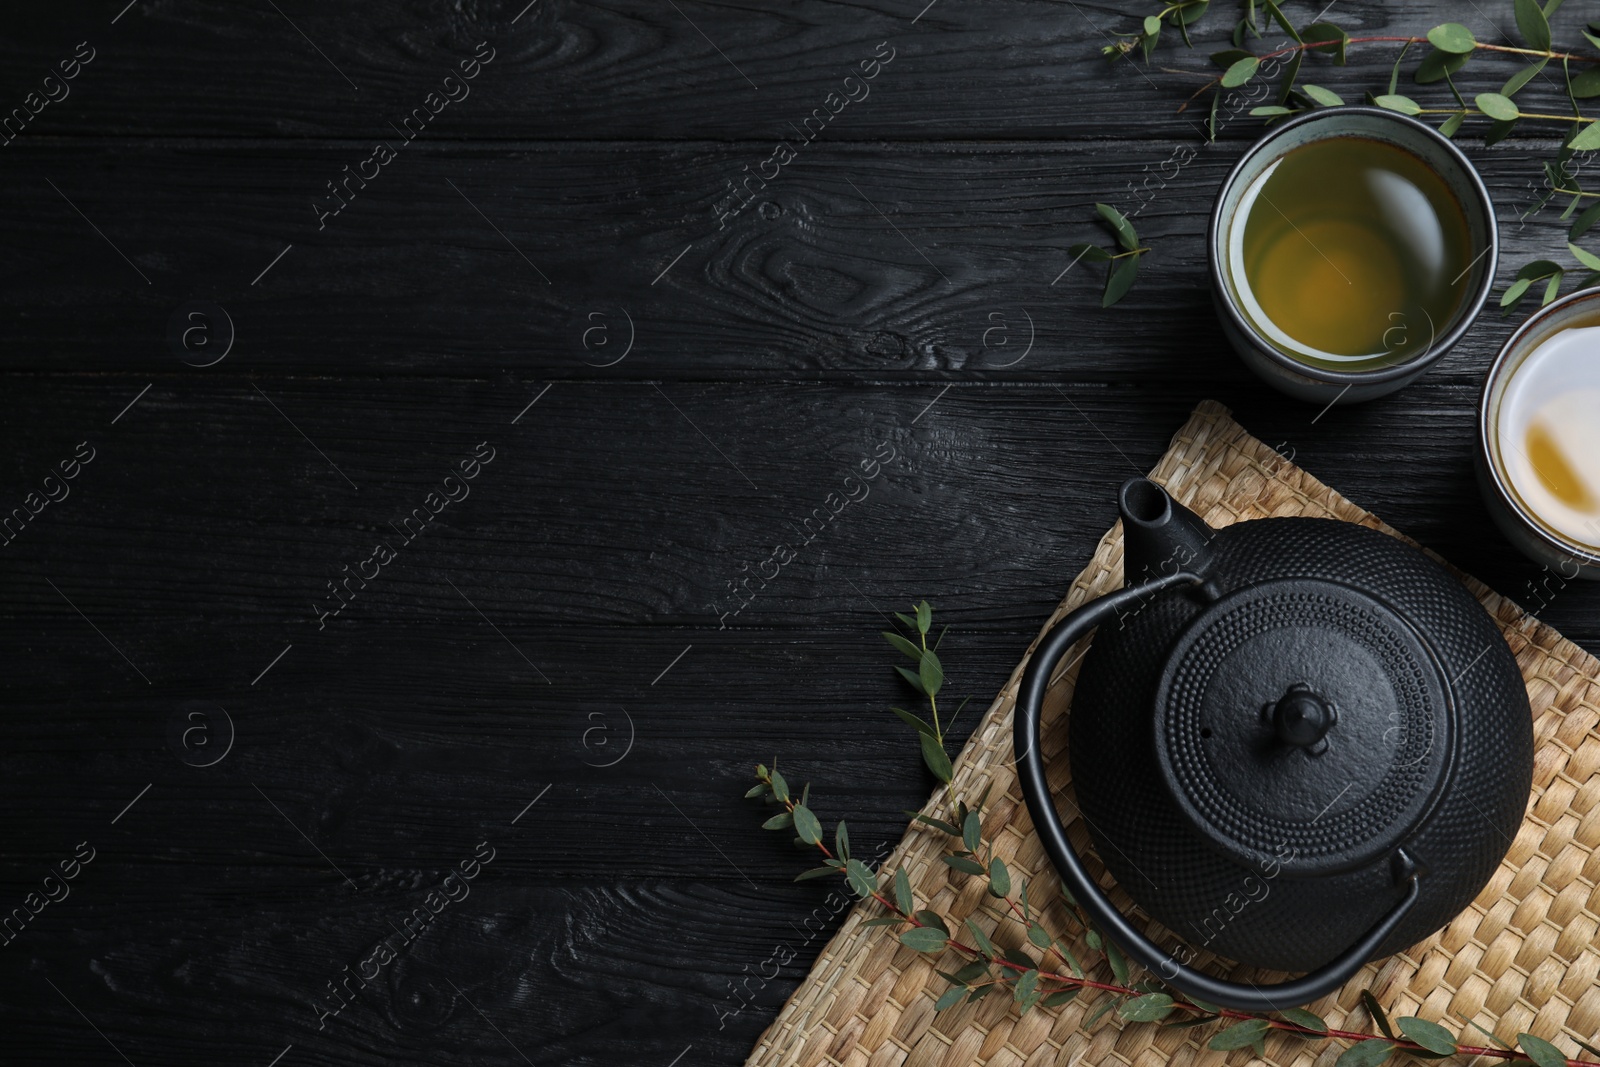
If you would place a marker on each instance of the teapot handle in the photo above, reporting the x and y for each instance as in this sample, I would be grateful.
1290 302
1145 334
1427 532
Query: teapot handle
1111 922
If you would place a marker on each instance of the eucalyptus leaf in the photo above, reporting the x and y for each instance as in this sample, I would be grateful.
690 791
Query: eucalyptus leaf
904 646
780 821
950 998
1088 253
984 944
1394 74
1552 289
1098 1014
1228 57
1146 1009
1429 1035
1291 71
1586 139
1266 110
1331 39
1325 97
972 831
1240 72
964 865
1587 84
1450 125
1527 74
1239 1035
1039 936
932 920
807 825
1581 224
931 671
1126 236
1436 66
912 677
1403 104
972 972
902 891
1119 963
1498 131
934 755
1120 278
1020 958
1588 259
923 939
1532 24
924 618
1375 1010
1495 1041
892 920
1368 1053
1514 292
999 878
1025 986
780 787
1072 961
1060 997
1308 1019
860 879
1538 268
1282 20
815 872
1452 37
759 789
1497 107
938 824
914 721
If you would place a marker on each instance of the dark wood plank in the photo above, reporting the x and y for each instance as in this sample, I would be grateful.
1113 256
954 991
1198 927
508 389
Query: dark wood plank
925 262
216 502
640 69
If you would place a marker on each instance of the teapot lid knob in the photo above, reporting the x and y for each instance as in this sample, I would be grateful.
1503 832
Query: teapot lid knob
1302 718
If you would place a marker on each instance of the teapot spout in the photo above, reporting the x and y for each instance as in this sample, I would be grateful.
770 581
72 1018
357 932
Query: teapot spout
1160 535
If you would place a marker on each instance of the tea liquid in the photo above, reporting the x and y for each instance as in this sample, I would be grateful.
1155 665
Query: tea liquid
1548 428
1350 253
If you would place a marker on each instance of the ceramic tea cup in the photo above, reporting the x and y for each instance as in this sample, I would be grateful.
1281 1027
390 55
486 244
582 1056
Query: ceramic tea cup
1538 455
1387 247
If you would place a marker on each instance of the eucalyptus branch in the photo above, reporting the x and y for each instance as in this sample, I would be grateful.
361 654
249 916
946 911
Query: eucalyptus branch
1451 46
986 967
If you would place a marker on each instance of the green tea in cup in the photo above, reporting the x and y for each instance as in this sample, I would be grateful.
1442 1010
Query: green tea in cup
1352 252
1349 249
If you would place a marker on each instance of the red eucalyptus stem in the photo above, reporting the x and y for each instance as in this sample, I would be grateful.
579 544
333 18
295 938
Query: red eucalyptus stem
1068 981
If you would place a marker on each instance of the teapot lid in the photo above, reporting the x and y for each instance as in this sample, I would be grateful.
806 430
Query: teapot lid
1303 724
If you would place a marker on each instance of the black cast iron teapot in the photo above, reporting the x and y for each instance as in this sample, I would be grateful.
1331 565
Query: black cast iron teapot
1297 743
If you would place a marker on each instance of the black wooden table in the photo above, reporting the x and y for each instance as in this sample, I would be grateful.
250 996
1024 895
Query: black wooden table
437 389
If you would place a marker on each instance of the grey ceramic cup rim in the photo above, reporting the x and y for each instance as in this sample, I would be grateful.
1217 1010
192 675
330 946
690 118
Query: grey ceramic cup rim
1482 205
1501 370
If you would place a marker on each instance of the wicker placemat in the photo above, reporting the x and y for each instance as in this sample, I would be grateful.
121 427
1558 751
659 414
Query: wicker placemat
1520 958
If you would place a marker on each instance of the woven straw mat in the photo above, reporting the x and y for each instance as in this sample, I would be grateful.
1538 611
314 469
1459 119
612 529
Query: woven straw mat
1521 958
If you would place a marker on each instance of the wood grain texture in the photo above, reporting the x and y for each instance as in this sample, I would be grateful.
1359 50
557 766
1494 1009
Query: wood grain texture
637 69
878 293
612 262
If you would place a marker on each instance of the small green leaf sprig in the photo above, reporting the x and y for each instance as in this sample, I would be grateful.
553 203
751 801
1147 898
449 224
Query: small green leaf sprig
1046 973
1122 267
927 679
1450 47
